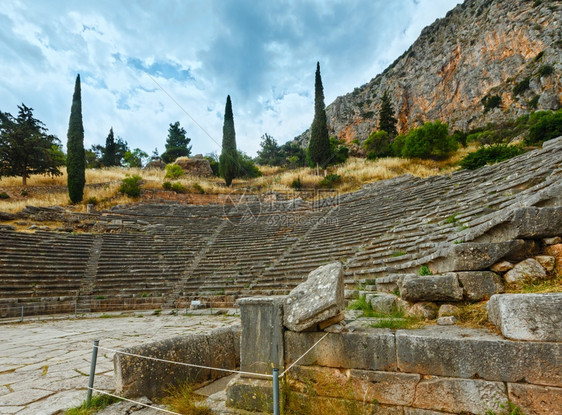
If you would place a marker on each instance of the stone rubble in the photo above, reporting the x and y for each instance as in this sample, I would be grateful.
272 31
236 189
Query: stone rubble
319 298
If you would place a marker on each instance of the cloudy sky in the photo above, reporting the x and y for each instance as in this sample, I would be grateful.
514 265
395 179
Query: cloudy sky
145 64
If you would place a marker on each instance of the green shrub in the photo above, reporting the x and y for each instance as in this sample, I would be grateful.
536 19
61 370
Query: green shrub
173 171
198 189
167 186
214 165
489 155
178 187
546 70
545 125
490 102
460 137
424 270
339 152
330 180
522 86
92 201
378 145
24 193
4 195
130 185
430 141
398 145
247 168
296 184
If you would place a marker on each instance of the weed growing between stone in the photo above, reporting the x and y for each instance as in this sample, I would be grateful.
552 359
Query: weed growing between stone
183 400
396 319
553 285
474 315
508 409
97 403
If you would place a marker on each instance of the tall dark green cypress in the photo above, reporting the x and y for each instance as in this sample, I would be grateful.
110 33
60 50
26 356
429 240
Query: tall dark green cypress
75 158
387 122
319 146
228 161
109 158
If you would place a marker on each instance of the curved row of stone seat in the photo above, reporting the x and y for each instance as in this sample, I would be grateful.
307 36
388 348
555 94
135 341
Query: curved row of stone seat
216 251
41 272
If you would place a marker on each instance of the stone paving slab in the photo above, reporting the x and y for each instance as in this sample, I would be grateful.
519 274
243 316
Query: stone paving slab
44 364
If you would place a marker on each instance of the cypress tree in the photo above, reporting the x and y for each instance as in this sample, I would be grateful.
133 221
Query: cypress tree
319 146
75 158
228 161
109 153
387 122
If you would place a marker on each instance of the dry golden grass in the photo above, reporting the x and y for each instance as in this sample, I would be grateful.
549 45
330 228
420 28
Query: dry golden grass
103 184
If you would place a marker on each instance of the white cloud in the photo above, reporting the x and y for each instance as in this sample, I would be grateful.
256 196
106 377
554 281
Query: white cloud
261 53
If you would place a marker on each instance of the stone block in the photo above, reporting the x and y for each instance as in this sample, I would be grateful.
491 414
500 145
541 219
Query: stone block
535 400
135 376
546 261
319 298
502 266
384 387
477 354
384 302
373 350
473 256
425 310
448 310
391 283
261 346
552 241
446 321
460 395
535 317
250 394
556 252
525 271
536 223
431 288
480 285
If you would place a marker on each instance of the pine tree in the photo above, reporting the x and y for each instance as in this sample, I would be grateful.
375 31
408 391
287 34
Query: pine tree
270 153
26 148
319 146
176 143
387 122
108 158
75 158
228 161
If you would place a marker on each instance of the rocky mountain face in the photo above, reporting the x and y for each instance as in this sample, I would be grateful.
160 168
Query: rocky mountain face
506 53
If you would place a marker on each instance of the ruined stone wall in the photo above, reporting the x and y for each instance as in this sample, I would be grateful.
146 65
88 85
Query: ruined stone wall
135 376
454 370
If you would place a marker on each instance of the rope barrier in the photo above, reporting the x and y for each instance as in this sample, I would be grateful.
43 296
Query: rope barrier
184 364
303 355
135 402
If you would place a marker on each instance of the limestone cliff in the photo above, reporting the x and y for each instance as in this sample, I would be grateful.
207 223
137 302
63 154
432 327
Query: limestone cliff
482 48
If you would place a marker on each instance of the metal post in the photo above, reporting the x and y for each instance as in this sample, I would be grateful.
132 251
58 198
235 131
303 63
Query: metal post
92 372
275 391
76 309
21 319
186 307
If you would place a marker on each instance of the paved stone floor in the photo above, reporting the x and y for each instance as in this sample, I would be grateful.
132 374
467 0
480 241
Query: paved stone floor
44 364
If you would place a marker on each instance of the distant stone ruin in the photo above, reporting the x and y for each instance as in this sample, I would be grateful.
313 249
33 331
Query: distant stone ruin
195 166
